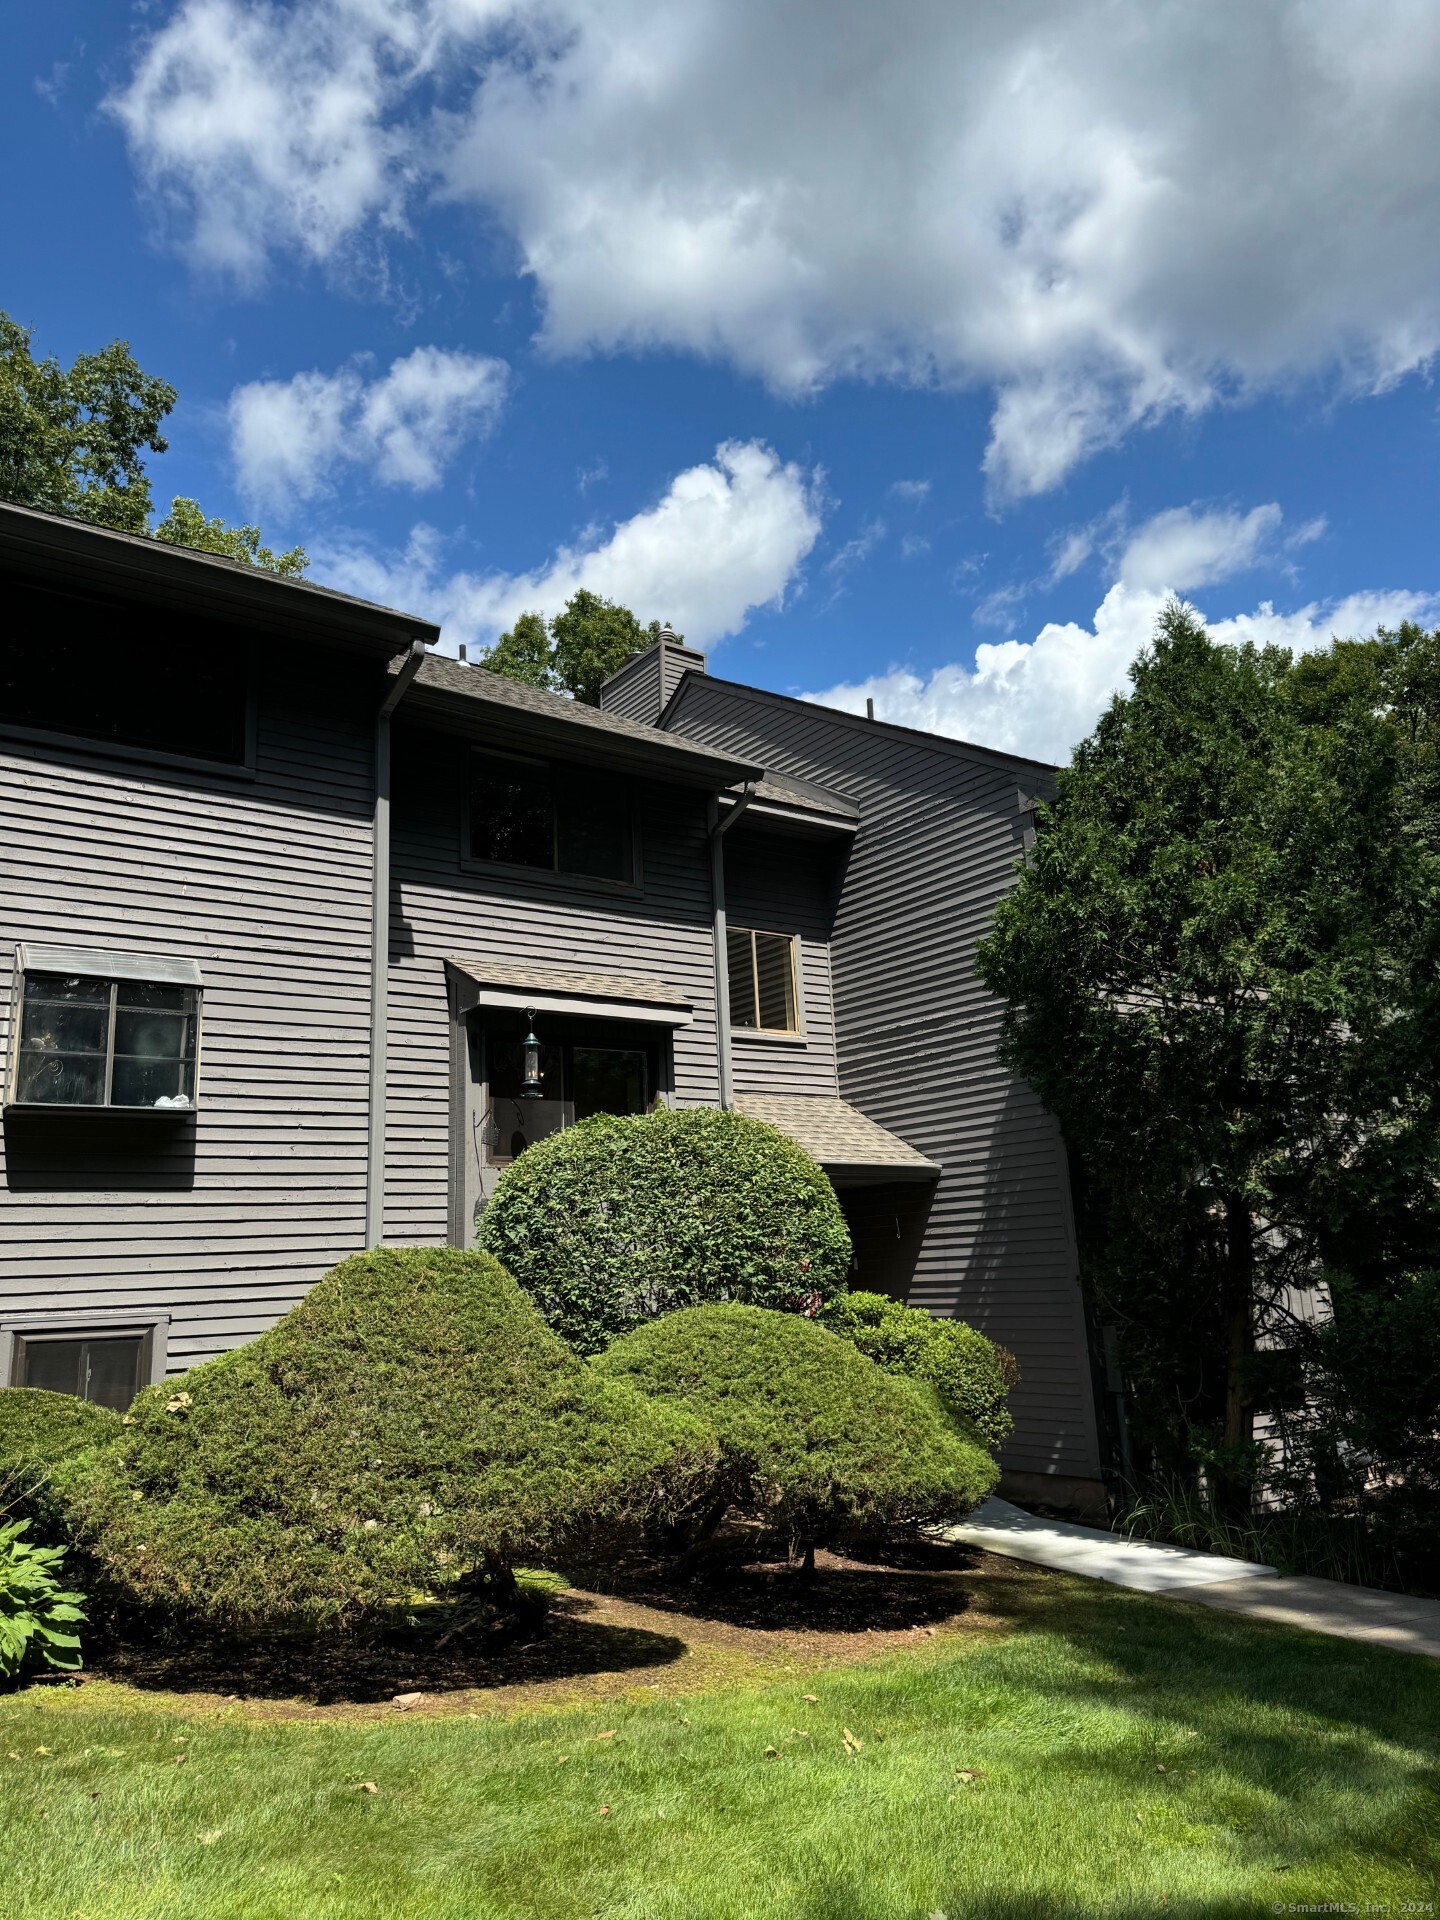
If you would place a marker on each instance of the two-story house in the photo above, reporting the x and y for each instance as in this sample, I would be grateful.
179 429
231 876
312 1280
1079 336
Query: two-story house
282 892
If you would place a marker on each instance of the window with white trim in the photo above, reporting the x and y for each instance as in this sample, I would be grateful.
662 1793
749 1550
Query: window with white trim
104 1030
763 995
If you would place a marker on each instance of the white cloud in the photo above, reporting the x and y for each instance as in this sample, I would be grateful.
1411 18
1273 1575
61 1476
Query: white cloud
912 492
288 438
1102 210
855 551
725 538
1038 697
1184 548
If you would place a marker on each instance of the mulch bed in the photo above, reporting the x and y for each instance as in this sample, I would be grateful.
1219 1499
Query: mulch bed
739 1616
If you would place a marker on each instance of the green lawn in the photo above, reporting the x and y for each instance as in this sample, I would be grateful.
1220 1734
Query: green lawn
1134 1756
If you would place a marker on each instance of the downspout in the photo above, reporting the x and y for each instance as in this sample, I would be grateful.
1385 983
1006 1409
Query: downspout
380 948
716 829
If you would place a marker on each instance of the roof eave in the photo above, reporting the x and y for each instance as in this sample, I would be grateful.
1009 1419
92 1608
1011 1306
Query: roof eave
75 556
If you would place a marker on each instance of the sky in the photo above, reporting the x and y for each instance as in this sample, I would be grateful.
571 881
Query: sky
914 354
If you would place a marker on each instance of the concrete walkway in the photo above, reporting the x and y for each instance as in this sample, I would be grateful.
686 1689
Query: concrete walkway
1237 1586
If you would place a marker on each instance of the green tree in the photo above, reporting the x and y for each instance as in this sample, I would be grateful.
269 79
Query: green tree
186 526
524 653
72 441
1210 965
593 638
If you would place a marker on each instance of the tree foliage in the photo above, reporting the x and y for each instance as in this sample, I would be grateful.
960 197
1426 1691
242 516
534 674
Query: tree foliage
579 649
411 1424
814 1437
623 1217
1219 972
972 1376
186 526
73 441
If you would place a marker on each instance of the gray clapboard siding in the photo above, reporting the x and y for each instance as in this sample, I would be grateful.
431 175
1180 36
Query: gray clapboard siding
224 1220
441 905
939 839
779 883
640 689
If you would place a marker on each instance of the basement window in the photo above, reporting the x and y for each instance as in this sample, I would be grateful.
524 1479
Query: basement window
106 1368
762 980
104 1030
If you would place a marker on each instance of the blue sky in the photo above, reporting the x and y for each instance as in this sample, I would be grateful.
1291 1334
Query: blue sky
852 341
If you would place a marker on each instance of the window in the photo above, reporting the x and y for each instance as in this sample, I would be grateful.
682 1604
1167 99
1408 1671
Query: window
109 1369
536 813
142 677
99 1036
762 980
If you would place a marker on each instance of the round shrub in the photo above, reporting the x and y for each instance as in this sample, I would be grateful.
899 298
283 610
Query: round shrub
621 1218
971 1374
813 1436
412 1421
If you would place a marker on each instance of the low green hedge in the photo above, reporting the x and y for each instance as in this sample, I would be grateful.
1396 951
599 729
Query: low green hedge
621 1218
971 1374
411 1422
40 1435
813 1437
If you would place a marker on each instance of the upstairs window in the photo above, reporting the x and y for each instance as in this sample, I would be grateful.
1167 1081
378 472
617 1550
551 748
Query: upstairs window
99 1033
762 981
138 677
543 814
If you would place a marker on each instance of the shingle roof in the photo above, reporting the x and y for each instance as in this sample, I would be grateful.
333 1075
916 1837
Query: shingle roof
450 681
805 793
642 989
836 1134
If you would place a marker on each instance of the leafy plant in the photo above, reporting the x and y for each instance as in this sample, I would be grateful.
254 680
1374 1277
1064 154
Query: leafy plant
814 1438
624 1217
971 1375
37 1615
411 1426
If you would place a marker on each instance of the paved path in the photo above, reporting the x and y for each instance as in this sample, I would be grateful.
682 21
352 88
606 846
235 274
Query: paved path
1237 1586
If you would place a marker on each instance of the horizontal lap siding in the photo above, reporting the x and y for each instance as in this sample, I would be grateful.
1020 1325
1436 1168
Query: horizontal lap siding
918 1033
780 883
225 1221
441 906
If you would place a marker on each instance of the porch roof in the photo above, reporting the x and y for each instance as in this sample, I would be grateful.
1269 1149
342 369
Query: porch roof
615 996
853 1149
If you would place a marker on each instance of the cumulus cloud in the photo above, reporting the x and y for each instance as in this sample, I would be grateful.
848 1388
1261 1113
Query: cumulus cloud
1037 697
725 538
289 438
1184 548
1104 211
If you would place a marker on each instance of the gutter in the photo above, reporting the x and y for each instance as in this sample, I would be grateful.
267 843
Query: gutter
716 829
380 948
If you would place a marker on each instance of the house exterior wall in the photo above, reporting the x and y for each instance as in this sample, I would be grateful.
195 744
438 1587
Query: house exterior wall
441 904
640 689
941 831
225 1219
778 883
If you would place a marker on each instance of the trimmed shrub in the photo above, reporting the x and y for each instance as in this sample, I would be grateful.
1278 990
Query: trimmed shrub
813 1437
971 1375
412 1422
622 1218
40 1433
38 1617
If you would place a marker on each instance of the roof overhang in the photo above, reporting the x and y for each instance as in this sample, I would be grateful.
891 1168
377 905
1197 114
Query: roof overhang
478 982
73 557
485 707
852 1148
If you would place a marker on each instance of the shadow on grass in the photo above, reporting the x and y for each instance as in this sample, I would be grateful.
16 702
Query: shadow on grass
356 1669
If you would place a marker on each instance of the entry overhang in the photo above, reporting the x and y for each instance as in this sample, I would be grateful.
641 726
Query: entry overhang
854 1150
478 982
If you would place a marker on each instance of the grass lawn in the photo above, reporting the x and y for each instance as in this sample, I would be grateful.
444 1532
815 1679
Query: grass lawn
1052 1747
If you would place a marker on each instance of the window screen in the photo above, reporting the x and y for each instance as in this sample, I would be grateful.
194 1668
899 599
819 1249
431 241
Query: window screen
762 980
530 813
86 1041
105 1368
